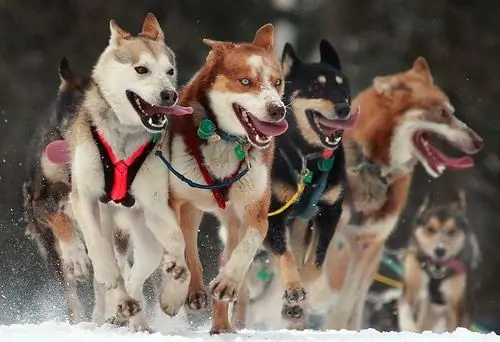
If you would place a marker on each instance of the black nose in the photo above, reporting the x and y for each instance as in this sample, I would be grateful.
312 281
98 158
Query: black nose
169 97
440 252
276 112
342 110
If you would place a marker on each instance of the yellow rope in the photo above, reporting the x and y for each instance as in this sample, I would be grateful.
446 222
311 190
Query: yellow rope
387 281
300 189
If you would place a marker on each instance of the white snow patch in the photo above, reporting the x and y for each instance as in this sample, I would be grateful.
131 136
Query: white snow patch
87 332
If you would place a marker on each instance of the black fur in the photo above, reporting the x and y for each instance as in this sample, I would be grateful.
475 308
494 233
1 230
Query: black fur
302 82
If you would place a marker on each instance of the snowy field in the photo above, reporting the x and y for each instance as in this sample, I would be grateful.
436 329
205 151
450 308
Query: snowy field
85 332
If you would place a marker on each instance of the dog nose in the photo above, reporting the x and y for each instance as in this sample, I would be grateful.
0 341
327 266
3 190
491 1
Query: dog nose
169 97
440 252
342 110
477 141
276 112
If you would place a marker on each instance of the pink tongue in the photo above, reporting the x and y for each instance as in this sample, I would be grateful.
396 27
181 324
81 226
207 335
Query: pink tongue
270 129
57 152
175 110
464 162
331 126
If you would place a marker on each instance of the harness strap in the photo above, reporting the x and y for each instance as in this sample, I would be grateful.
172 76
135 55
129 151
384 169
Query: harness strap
119 174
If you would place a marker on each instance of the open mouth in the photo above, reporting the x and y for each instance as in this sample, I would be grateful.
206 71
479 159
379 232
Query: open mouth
259 132
434 160
330 130
154 118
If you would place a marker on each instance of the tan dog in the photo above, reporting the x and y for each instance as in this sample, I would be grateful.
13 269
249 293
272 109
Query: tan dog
239 91
117 180
400 113
442 251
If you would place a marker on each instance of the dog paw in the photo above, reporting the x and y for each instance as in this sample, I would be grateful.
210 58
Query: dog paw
117 321
222 330
75 259
177 271
292 312
224 288
197 300
173 293
128 308
294 294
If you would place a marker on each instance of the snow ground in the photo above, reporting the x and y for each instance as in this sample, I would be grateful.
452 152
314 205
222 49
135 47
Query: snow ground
86 332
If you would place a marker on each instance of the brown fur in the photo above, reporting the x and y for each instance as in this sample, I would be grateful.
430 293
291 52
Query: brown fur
221 71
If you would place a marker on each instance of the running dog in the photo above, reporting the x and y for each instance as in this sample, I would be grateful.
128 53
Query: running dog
223 155
401 114
48 215
309 156
117 181
440 255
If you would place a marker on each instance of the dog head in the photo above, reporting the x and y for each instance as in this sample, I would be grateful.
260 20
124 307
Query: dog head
403 112
243 84
137 77
441 231
319 94
70 95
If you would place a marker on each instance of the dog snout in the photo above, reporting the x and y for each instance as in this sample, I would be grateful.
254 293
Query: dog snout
440 252
169 97
276 112
477 141
342 110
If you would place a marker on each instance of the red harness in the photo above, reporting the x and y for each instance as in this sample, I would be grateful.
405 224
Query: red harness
119 174
192 143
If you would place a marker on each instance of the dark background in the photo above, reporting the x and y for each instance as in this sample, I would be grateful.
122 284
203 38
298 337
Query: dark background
460 40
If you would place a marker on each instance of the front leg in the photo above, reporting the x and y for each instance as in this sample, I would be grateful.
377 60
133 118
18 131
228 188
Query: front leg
408 299
226 285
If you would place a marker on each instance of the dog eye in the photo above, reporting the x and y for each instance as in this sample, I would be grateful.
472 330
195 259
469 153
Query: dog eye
316 87
452 232
141 70
170 71
277 83
245 81
430 230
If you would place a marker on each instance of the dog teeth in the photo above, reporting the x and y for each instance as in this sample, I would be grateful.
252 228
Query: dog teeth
328 140
440 168
262 140
158 121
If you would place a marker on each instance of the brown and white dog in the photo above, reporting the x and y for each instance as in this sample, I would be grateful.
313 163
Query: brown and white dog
400 114
116 178
442 252
228 143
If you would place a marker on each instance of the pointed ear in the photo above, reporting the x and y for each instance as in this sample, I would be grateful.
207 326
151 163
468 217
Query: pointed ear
151 28
218 45
329 55
423 206
289 60
383 84
65 72
420 66
264 37
117 33
460 202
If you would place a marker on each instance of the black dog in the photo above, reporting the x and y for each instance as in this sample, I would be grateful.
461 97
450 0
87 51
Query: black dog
310 153
46 191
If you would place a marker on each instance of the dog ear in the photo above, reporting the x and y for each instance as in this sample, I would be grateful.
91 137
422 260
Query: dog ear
384 84
328 54
459 201
117 33
289 60
421 67
424 205
65 72
218 45
264 37
151 28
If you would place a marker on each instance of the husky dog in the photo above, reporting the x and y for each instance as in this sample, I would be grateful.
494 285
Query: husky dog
46 193
309 154
401 114
117 181
442 252
223 155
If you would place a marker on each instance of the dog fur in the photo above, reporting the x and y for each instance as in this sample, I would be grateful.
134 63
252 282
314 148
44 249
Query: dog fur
234 76
316 93
399 112
133 75
442 252
46 193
